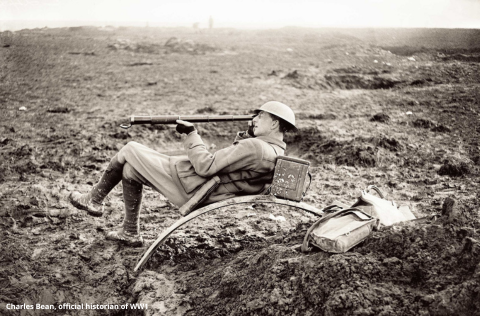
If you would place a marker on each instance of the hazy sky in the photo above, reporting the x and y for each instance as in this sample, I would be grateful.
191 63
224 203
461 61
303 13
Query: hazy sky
253 13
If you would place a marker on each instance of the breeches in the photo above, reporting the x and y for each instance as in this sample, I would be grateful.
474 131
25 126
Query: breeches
151 168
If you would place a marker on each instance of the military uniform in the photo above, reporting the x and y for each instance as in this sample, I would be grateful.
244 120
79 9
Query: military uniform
242 167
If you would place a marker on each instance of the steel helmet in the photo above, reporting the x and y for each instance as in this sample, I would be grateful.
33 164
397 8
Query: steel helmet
281 110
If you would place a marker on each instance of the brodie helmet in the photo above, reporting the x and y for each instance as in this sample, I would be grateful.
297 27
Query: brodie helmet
280 110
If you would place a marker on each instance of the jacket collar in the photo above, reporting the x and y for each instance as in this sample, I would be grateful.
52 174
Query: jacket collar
273 141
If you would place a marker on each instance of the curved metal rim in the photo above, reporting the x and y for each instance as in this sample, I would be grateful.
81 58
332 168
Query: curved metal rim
236 200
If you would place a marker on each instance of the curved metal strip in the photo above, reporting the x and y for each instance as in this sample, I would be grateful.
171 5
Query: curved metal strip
236 200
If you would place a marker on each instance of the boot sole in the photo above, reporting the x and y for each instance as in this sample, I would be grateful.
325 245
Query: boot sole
84 208
136 243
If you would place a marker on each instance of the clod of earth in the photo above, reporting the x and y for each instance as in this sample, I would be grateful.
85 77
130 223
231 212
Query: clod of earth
292 75
456 167
380 117
423 123
60 110
441 129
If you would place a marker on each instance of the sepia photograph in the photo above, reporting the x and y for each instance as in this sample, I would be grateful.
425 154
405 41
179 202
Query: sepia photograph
230 158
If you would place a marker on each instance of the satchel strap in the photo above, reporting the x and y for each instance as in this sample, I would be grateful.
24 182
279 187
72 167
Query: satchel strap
310 178
376 189
331 208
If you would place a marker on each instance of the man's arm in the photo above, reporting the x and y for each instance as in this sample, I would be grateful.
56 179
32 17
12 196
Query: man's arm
240 155
244 154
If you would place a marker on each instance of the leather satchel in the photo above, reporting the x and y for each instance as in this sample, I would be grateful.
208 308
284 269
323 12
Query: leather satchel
378 207
340 231
289 178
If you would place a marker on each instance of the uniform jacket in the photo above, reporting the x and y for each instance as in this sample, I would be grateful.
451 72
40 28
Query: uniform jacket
240 166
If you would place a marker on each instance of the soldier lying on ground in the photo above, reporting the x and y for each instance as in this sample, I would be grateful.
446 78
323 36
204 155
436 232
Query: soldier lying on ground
244 168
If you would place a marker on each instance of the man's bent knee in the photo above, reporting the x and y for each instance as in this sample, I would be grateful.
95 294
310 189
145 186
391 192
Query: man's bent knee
129 173
129 148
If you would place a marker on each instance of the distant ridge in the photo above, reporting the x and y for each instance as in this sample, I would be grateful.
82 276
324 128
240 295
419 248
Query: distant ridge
427 38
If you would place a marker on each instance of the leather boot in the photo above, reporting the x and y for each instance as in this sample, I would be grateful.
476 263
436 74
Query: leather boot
92 202
129 234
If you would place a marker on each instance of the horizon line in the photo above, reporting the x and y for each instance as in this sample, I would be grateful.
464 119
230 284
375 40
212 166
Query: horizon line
150 24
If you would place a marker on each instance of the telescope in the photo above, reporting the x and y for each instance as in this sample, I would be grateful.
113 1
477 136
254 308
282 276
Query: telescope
172 119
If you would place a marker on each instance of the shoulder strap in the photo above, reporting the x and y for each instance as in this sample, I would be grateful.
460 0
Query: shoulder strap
200 195
224 179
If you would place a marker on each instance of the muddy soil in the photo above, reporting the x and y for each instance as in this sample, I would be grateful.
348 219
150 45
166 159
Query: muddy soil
401 115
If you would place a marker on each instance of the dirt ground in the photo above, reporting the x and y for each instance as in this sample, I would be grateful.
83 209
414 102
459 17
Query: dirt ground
398 109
